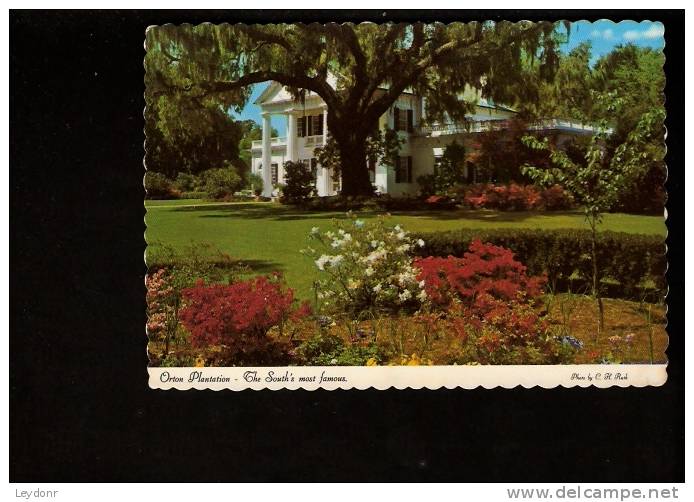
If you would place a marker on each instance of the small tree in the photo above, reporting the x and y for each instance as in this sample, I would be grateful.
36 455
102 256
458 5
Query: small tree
158 186
598 180
255 183
220 183
449 173
299 182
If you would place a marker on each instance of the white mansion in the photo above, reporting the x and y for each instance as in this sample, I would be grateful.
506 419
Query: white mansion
423 145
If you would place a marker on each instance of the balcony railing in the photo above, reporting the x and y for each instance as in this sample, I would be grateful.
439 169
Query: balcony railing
276 141
500 125
313 140
309 141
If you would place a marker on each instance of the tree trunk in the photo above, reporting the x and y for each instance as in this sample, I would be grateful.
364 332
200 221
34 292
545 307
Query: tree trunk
596 282
354 170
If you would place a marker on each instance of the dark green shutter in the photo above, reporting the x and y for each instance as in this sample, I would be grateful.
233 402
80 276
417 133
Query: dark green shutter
409 169
320 125
410 121
396 118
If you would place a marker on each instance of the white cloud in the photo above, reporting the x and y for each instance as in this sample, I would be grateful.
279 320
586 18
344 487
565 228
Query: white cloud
607 34
655 30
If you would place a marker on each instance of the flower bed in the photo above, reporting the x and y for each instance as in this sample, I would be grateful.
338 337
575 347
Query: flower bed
381 298
514 197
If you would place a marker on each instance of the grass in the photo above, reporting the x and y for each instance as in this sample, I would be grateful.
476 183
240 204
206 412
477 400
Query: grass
268 236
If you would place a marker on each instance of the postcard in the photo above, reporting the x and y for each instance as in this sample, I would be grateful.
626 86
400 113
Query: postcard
353 206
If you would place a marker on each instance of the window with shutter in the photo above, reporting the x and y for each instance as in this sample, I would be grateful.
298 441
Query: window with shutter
403 170
400 119
318 125
300 127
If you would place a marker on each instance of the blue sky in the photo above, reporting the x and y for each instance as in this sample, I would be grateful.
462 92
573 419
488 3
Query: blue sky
603 35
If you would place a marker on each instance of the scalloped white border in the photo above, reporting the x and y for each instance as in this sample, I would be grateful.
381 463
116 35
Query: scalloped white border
413 377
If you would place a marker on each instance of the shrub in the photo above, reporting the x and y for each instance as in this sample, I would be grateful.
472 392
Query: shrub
255 183
158 186
555 198
490 306
238 317
187 182
507 333
220 183
330 350
449 172
514 197
194 262
485 272
163 303
635 263
366 267
298 182
194 195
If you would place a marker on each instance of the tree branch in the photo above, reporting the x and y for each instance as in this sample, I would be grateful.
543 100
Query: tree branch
315 84
265 36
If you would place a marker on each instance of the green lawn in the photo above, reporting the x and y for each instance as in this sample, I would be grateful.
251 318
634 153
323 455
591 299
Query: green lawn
269 236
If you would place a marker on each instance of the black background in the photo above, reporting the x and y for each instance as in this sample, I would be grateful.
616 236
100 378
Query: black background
80 408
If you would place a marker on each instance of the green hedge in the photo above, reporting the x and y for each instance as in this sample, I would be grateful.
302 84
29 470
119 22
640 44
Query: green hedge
196 194
631 265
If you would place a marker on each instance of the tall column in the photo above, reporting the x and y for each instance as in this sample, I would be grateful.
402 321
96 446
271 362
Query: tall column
267 155
327 174
291 136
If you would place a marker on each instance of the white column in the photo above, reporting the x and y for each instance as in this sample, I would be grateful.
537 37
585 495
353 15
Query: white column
267 155
291 136
327 174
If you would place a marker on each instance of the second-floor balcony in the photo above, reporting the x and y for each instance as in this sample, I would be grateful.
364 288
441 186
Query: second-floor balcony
500 125
276 141
305 142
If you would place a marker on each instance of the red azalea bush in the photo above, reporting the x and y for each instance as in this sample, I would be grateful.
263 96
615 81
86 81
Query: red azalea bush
556 198
485 271
514 197
238 317
490 304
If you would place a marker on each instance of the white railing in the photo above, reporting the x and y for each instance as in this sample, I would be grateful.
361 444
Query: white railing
273 141
499 125
308 141
313 140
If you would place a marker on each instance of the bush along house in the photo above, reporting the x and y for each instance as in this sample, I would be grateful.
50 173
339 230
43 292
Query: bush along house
423 143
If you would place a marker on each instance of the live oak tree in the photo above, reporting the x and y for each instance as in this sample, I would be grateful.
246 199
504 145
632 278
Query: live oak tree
372 65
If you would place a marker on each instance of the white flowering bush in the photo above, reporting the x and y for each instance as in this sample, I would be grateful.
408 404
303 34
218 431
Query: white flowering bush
366 267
